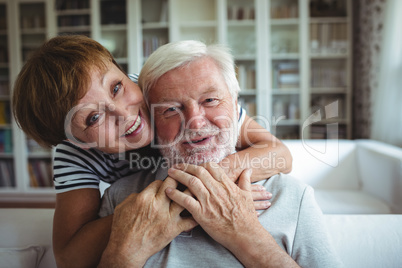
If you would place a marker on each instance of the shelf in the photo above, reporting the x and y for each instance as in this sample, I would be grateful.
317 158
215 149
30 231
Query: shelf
155 25
286 91
283 22
285 56
72 12
289 122
328 90
198 24
241 23
245 57
33 31
114 27
4 155
81 28
329 56
329 20
248 92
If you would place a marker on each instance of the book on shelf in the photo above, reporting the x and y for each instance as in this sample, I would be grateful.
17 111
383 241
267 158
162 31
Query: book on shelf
150 44
6 141
6 173
40 173
5 115
4 87
71 4
235 12
164 11
285 74
249 105
328 38
284 11
326 75
246 75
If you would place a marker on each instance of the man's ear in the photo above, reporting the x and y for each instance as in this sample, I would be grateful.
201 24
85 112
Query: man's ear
237 110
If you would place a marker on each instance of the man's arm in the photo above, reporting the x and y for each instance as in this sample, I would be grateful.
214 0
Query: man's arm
260 151
226 212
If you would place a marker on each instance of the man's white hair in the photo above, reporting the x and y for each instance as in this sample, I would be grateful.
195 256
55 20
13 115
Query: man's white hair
181 53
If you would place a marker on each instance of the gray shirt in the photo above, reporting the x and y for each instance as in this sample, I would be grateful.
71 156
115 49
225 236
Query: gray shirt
294 220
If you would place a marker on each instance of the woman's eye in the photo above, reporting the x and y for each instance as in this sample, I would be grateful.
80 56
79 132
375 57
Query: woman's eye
92 119
117 88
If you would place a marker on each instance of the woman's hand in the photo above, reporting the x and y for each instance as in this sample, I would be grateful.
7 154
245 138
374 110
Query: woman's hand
144 224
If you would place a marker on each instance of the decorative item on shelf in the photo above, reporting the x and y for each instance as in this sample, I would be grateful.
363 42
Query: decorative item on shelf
235 12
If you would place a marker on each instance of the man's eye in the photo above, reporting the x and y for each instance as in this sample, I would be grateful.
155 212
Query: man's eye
170 111
92 119
117 88
210 100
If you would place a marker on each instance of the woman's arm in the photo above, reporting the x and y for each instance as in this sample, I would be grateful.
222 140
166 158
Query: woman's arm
260 151
79 236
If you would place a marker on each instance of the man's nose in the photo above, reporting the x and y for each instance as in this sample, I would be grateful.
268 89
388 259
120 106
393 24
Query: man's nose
195 118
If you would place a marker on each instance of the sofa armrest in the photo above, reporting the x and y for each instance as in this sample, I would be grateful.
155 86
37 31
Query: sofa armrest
366 240
380 169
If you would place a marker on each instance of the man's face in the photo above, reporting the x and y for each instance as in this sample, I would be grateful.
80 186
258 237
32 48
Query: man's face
195 115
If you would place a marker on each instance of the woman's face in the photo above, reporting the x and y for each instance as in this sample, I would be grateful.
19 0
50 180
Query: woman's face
112 116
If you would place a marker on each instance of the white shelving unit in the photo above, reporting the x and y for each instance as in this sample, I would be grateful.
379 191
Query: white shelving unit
293 59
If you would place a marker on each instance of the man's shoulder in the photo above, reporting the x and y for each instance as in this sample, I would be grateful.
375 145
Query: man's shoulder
285 182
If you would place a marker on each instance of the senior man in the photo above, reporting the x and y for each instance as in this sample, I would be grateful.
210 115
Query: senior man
195 112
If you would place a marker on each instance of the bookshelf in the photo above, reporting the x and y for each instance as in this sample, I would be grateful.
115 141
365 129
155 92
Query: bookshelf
293 61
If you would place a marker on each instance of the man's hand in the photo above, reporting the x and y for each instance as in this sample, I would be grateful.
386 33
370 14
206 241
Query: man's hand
144 224
221 207
226 212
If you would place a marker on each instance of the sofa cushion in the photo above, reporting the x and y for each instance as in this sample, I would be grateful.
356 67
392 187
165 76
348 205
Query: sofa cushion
350 202
27 257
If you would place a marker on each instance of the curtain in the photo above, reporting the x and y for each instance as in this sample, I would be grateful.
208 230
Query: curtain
368 17
386 123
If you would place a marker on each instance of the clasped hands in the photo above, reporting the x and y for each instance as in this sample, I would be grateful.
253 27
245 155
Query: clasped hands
147 222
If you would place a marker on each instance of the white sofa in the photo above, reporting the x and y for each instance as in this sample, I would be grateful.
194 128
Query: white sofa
350 176
366 238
